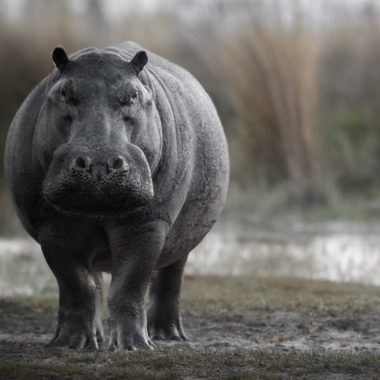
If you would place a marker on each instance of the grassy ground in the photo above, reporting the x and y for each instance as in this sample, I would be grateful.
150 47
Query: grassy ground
239 328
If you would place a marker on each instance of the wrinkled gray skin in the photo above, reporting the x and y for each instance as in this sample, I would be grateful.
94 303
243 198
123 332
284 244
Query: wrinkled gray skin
114 165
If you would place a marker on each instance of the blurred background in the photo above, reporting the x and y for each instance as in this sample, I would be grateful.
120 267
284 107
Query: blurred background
297 86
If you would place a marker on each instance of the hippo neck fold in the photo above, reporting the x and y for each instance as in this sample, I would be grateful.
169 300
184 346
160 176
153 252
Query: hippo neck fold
178 144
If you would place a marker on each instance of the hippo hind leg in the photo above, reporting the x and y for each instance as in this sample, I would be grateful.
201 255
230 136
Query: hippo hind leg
164 320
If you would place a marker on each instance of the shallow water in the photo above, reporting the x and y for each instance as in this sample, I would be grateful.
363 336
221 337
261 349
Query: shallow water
336 251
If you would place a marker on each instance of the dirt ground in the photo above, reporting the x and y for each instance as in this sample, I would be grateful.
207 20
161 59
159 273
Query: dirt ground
238 328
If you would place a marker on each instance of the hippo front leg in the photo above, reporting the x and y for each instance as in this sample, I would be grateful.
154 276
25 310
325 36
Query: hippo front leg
135 251
79 316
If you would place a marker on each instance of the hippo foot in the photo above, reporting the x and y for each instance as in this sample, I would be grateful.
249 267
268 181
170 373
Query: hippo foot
131 339
99 336
74 338
99 332
78 333
168 332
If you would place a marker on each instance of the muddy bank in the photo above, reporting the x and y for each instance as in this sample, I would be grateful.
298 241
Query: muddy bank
237 327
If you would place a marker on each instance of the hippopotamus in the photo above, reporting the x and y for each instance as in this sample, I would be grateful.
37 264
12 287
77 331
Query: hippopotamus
117 162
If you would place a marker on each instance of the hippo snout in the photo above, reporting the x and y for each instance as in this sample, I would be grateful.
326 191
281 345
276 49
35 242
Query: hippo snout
98 181
99 168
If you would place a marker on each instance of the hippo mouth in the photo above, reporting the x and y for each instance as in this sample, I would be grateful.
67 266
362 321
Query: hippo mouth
95 202
98 197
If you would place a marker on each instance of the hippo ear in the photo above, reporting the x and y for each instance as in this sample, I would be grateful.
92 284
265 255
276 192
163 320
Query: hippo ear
139 61
60 58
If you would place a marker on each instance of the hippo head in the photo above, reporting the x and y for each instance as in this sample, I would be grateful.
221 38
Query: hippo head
98 135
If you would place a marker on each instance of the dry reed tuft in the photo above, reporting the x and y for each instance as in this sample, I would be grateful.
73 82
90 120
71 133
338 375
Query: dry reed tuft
272 69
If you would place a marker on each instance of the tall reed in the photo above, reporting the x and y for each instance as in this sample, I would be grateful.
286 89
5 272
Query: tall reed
273 71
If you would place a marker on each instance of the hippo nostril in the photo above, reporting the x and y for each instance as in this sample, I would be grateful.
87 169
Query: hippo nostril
83 162
117 163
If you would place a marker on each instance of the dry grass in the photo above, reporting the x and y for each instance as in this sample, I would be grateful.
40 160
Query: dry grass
274 78
235 294
170 364
208 300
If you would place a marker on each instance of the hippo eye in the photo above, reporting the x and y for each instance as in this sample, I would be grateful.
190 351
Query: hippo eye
128 100
68 119
67 98
63 95
134 96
